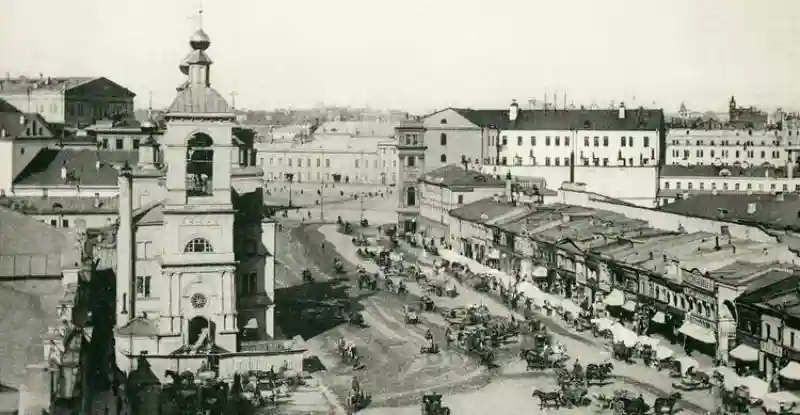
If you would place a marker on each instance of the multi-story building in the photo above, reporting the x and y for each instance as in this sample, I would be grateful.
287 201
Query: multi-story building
338 152
411 155
769 328
448 188
596 147
681 182
193 254
730 147
687 272
22 136
75 102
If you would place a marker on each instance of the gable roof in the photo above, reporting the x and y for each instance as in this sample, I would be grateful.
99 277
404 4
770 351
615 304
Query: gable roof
24 85
45 168
580 119
15 124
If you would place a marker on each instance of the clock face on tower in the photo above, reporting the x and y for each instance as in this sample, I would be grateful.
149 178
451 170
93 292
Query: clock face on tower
198 300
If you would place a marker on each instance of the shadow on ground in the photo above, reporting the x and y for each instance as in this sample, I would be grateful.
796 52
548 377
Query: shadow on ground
314 308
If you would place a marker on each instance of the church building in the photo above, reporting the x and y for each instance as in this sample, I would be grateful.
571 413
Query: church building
194 254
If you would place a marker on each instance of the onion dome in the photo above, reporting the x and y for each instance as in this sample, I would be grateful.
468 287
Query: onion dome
200 40
184 66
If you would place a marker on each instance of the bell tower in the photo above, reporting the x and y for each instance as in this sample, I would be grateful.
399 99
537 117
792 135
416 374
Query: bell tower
197 262
411 164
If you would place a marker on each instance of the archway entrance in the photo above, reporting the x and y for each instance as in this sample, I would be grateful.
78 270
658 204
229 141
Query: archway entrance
201 331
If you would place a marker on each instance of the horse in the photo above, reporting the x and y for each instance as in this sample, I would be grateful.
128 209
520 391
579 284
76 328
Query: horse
630 406
547 398
667 403
599 372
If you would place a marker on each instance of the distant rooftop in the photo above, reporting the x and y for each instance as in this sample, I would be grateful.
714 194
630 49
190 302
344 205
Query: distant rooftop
357 128
781 212
81 165
14 124
64 205
578 119
23 85
780 291
454 175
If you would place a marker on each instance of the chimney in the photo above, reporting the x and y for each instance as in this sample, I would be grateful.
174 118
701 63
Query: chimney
565 218
125 254
513 110
621 113
63 172
97 165
675 271
96 201
22 120
41 76
779 197
751 208
3 133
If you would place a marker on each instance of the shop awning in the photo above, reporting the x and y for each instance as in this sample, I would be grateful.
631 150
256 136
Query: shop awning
659 317
629 305
791 371
744 353
615 298
758 387
539 272
697 332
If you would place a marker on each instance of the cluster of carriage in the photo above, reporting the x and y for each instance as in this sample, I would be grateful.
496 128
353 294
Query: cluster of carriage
477 332
204 392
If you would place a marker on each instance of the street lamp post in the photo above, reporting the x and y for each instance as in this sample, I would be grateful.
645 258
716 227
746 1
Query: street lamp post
321 203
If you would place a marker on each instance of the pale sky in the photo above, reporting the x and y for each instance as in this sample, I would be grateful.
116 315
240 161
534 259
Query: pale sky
422 54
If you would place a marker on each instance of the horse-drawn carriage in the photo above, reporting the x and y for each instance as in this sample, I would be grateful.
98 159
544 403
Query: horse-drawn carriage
430 346
432 405
357 399
569 395
601 327
583 321
367 280
693 380
338 267
409 315
436 288
426 304
307 277
542 359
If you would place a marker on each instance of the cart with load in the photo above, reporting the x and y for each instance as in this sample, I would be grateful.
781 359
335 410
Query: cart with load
693 380
307 277
432 405
574 394
410 316
426 304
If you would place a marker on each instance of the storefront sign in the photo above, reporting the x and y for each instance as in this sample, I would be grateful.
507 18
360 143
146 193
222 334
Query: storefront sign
698 295
771 347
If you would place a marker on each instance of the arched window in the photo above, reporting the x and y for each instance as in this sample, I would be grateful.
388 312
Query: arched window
443 121
411 196
199 245
443 139
199 165
443 158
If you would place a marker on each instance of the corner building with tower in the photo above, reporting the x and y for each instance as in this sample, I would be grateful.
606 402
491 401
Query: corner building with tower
193 253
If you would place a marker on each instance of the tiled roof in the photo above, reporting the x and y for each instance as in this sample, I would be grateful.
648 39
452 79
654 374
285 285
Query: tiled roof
454 175
770 211
44 205
45 168
723 171
139 327
635 119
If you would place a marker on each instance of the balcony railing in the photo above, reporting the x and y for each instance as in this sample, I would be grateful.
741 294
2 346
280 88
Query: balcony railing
198 185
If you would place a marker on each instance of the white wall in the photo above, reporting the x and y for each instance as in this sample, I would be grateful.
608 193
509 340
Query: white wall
437 201
637 185
15 155
595 148
463 138
702 147
722 183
